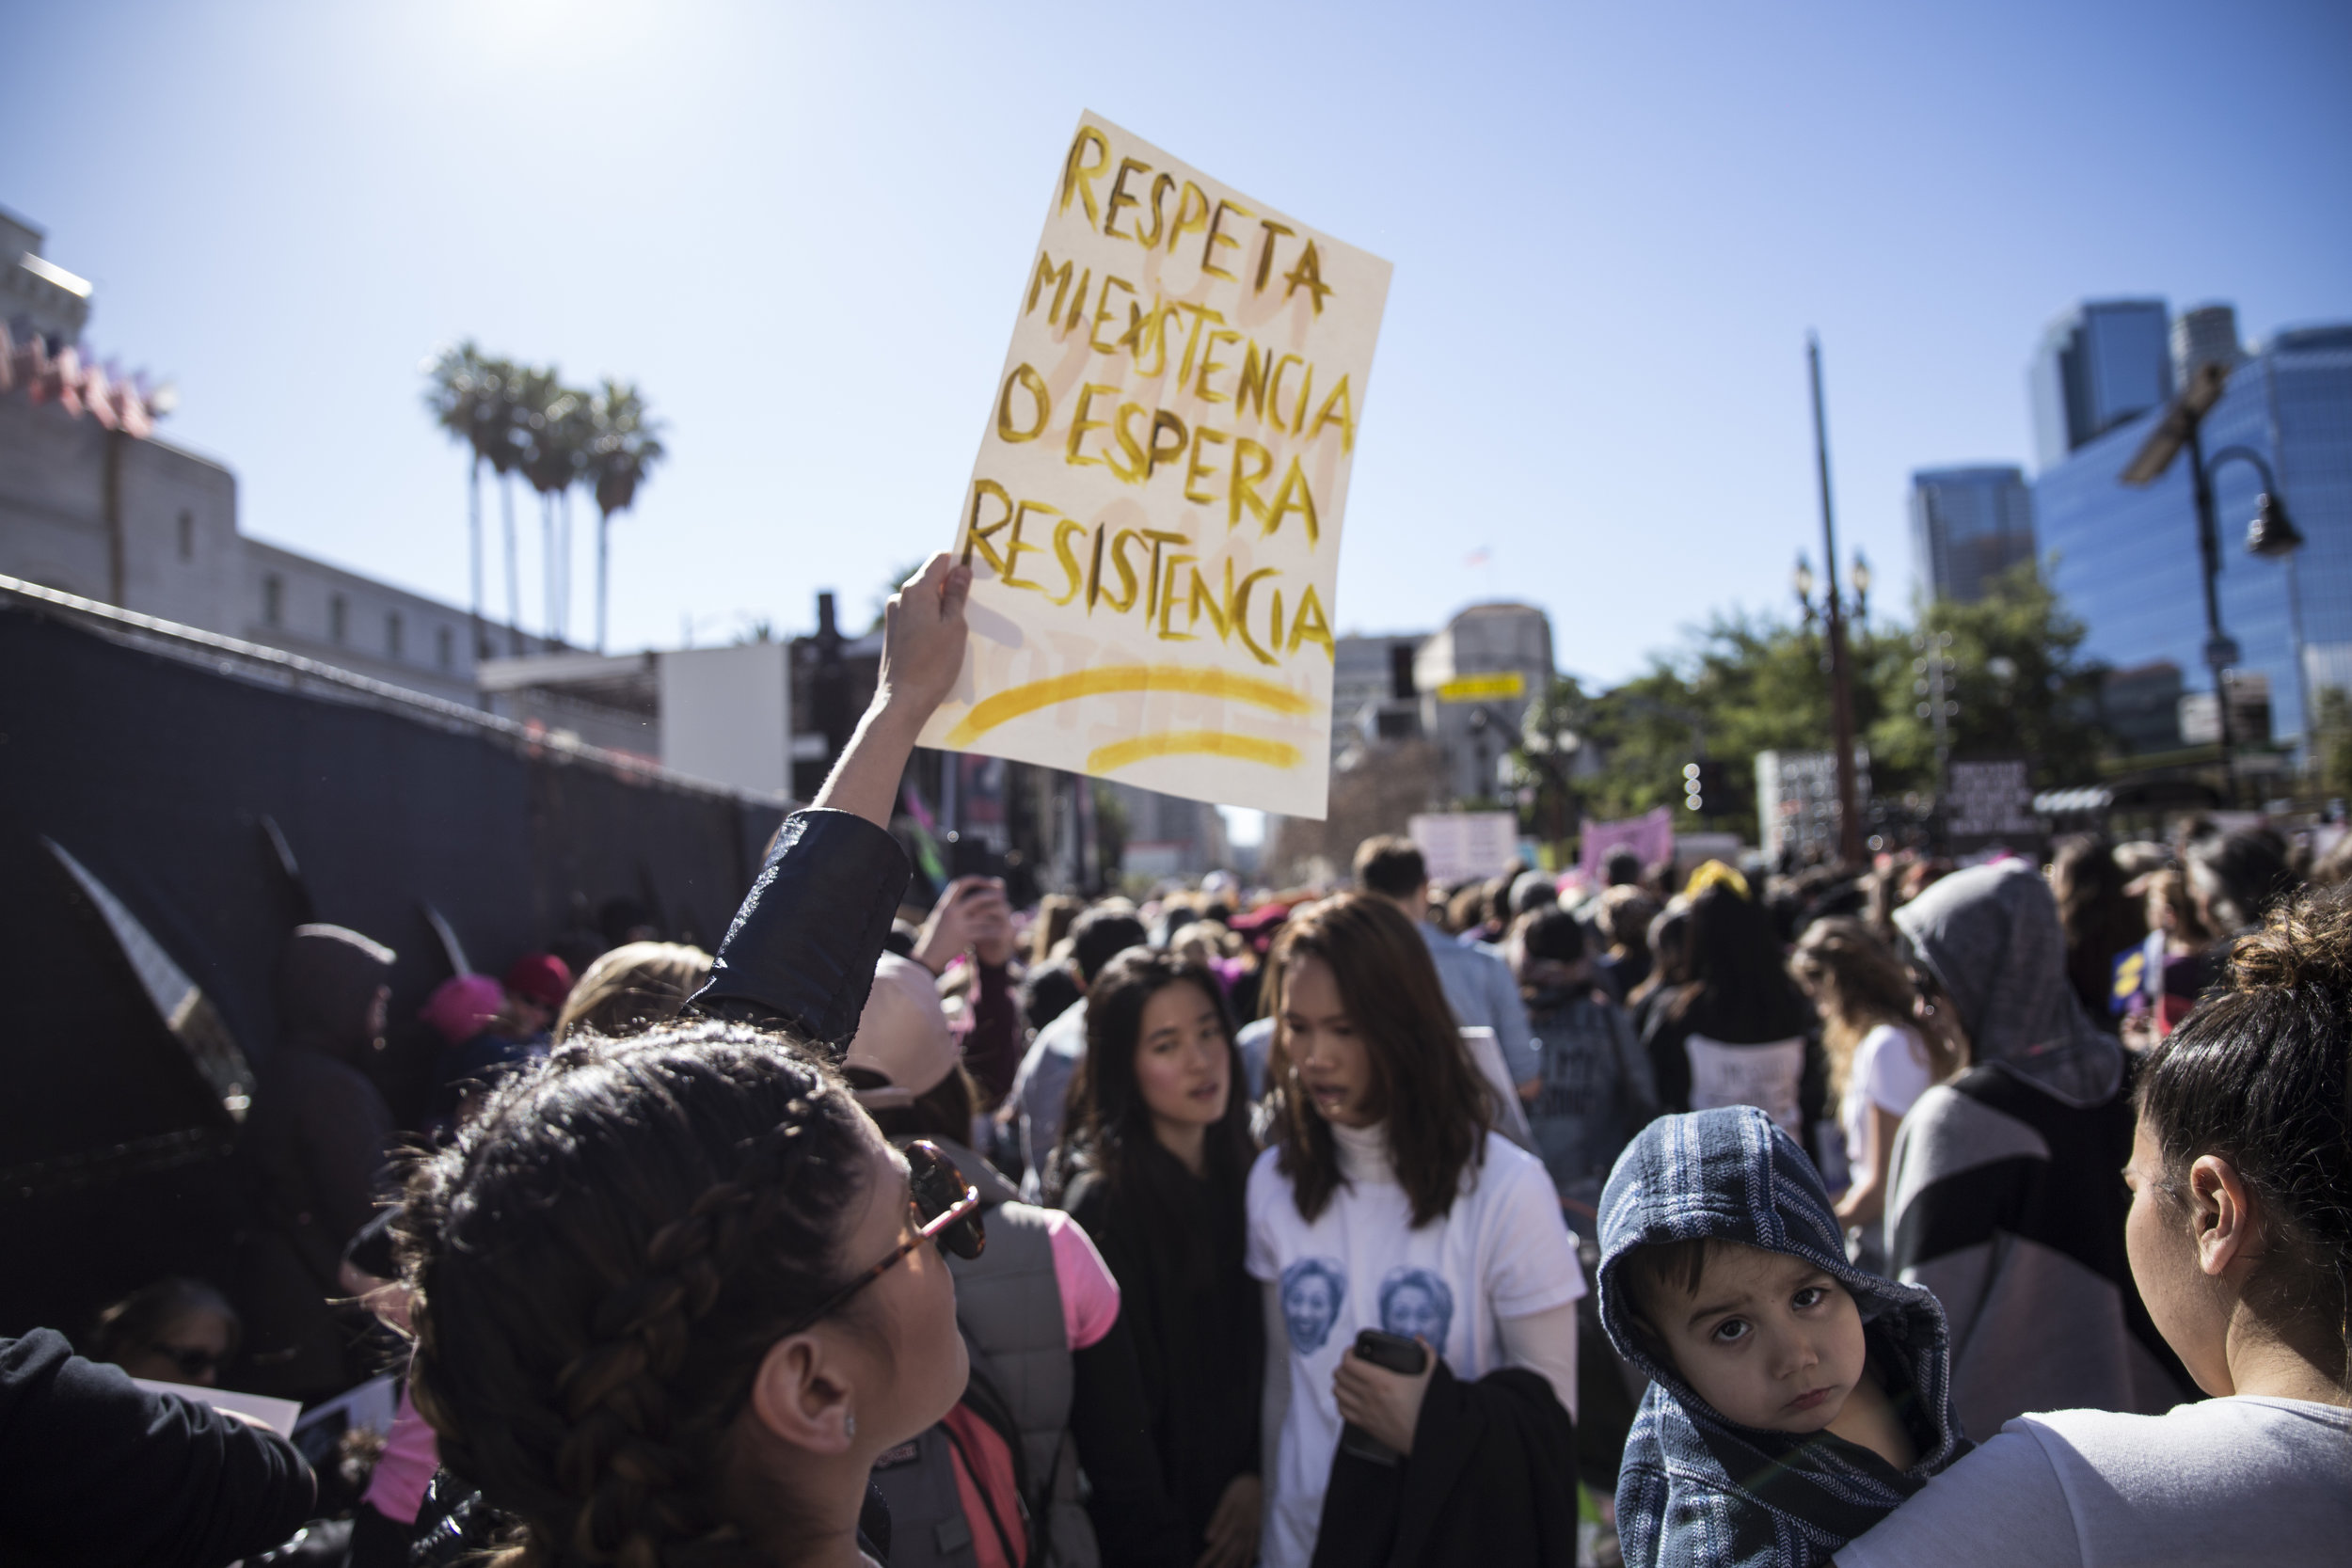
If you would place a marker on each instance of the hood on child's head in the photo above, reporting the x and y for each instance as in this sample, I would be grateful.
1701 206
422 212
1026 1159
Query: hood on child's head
1730 1175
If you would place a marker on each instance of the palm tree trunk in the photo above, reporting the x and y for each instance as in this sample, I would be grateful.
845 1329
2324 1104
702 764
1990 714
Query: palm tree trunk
604 537
564 555
546 561
513 571
473 542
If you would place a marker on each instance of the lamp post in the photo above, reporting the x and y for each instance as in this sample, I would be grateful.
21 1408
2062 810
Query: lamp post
2272 533
2272 536
1840 694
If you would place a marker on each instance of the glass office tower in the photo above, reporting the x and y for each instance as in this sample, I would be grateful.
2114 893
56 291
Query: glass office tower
2100 363
1967 526
2125 559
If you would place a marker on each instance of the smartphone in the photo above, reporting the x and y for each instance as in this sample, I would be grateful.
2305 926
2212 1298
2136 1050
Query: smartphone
1398 1355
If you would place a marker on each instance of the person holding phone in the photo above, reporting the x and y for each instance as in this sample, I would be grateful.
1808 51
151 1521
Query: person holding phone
1157 1138
1420 1282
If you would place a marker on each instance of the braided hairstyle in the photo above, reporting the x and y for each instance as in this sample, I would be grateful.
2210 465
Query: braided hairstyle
2258 1075
601 1262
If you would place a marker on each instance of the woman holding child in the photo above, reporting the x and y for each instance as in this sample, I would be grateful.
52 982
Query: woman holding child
2240 1242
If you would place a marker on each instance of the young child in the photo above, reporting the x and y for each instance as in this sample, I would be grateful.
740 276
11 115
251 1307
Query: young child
1795 1401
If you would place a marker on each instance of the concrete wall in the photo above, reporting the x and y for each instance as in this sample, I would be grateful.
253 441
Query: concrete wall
727 715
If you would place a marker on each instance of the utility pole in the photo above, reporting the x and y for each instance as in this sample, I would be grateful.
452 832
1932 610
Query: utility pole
1840 694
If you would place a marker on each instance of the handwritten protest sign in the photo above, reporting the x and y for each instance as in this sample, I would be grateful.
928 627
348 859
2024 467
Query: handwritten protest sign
1154 520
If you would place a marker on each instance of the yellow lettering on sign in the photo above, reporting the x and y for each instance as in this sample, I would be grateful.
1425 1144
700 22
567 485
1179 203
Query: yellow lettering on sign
1078 175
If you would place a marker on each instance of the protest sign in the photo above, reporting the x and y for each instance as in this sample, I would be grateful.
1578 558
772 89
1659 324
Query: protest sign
1456 846
1154 520
1651 836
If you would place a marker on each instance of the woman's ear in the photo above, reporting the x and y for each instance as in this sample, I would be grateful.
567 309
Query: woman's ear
2220 1215
802 1395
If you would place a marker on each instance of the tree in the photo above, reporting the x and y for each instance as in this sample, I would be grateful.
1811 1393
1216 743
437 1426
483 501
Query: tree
506 444
624 444
551 462
2023 689
462 394
1743 685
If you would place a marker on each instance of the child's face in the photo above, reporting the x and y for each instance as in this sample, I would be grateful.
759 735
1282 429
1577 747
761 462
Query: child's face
1768 1340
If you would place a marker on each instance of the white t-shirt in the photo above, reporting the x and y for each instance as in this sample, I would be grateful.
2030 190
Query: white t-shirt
1890 1071
2243 1481
1501 1251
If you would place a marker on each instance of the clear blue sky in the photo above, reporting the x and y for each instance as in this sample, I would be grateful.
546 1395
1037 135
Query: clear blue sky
803 230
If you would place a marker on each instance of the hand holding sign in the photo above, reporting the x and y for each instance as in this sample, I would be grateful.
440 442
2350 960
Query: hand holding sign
1154 520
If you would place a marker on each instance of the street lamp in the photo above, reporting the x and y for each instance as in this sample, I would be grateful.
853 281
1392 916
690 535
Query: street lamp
1834 615
2272 534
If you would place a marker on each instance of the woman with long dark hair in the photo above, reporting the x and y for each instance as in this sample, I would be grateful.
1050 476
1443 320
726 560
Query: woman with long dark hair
1157 1148
1388 1203
1737 1032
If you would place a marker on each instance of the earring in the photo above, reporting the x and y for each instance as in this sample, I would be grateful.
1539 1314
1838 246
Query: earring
848 1426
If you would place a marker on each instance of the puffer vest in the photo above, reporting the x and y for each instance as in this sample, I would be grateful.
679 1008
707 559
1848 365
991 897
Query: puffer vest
1009 1305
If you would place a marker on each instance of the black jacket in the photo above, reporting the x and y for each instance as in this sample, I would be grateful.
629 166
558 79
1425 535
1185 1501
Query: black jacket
802 951
99 1470
1491 1480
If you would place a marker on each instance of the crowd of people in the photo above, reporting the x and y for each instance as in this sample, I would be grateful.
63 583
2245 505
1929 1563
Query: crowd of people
1910 1213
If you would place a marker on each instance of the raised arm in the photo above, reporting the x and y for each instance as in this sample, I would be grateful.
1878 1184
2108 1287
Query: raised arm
802 951
923 636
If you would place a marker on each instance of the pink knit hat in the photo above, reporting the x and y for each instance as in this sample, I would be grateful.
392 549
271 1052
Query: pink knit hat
461 1008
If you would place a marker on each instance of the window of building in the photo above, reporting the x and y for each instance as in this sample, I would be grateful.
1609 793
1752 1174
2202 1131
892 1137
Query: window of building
444 648
187 536
392 630
272 600
338 617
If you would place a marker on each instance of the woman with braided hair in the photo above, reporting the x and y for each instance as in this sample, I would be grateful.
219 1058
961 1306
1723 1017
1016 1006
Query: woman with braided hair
673 1294
2240 1242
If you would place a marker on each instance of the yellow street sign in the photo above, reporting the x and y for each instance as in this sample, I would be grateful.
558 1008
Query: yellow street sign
1493 687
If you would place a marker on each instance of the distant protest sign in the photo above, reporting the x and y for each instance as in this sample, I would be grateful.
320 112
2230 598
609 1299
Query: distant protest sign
1154 520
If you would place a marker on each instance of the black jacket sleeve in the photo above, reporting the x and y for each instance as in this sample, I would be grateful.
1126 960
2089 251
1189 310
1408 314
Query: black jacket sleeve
1491 1480
100 1471
802 952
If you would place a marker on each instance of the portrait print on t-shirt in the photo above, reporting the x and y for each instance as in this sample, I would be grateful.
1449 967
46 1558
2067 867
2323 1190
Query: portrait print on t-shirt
1313 1289
1417 1304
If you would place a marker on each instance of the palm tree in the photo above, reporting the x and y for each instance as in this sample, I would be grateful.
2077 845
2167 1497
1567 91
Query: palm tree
556 428
624 445
461 396
506 443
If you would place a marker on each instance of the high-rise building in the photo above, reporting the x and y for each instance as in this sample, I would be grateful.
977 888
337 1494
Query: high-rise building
2125 559
1967 526
2100 363
1475 736
2205 335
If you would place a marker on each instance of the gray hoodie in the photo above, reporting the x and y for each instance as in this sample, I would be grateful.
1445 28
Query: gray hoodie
2007 1199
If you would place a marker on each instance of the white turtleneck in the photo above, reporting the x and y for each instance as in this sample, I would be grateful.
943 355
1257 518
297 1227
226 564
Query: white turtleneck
1363 1153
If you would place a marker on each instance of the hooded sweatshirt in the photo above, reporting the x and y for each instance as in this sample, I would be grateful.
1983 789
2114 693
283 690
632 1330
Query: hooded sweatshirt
1697 1489
313 1150
2006 1197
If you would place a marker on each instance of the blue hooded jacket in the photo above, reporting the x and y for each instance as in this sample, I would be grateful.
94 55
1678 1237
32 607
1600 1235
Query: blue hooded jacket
1696 1489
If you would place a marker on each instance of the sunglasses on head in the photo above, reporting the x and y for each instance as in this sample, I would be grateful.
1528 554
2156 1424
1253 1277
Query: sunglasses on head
946 1211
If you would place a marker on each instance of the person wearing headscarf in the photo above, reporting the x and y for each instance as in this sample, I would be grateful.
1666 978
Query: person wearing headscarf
2006 1197
313 1150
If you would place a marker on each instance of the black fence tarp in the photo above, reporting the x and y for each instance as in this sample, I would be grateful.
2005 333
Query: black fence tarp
153 758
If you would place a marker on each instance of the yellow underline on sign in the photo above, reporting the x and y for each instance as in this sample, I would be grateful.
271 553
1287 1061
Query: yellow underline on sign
1215 743
1012 703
